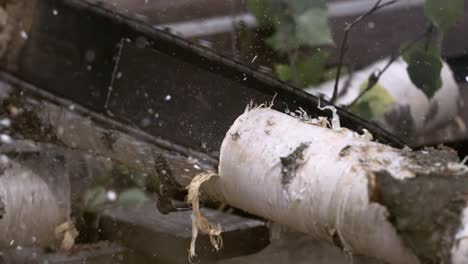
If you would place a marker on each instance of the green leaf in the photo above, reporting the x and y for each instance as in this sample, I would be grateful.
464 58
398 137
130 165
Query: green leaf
301 23
131 197
94 199
374 103
284 39
264 11
308 29
310 69
424 70
444 13
312 28
421 45
283 72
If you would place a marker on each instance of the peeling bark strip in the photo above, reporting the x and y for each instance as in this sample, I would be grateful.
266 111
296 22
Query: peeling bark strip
394 205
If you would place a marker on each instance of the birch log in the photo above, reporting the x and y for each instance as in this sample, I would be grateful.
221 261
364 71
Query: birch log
398 206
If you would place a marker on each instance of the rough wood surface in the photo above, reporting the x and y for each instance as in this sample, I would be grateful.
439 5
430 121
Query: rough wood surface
426 210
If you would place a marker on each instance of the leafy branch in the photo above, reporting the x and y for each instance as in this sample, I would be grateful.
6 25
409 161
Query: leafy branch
377 6
423 60
374 77
301 35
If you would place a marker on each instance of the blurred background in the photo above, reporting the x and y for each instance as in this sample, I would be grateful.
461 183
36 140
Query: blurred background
300 42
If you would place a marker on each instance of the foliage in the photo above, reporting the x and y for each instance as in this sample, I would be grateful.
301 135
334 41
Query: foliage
424 67
374 103
299 25
103 194
296 23
444 14
304 66
131 197
424 59
96 199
